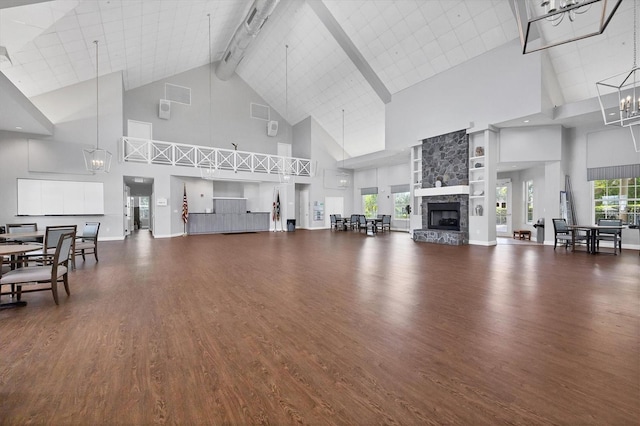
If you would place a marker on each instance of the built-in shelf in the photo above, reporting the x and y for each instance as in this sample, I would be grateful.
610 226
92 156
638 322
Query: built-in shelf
442 190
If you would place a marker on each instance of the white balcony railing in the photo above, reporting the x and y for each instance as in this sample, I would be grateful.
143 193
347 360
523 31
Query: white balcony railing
177 154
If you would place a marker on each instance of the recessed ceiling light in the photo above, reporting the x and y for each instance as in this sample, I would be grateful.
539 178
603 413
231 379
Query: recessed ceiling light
612 113
513 167
525 121
18 128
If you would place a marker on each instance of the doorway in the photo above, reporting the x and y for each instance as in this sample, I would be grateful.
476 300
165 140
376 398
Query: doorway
504 225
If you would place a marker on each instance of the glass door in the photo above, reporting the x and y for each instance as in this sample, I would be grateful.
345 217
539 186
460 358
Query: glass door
503 208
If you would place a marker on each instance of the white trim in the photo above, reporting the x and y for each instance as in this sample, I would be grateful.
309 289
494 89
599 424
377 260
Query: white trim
443 190
483 243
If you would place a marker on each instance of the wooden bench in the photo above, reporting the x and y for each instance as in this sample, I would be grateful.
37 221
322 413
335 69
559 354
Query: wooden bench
521 233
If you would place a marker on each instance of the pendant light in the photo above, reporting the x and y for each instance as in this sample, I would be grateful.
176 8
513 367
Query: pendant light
285 174
97 160
343 177
626 111
209 172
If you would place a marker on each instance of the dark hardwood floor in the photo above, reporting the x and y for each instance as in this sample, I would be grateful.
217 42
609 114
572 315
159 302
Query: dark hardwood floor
321 327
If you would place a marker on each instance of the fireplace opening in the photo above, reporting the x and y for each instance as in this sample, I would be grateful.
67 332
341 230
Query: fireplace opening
445 216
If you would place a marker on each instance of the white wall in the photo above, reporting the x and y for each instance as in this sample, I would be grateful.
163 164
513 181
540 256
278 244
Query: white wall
192 124
494 87
526 144
72 110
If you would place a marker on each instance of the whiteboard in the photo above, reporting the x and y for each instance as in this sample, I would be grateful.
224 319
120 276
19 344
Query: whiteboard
59 198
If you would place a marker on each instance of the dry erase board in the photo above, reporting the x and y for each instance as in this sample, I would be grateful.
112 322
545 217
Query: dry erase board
38 197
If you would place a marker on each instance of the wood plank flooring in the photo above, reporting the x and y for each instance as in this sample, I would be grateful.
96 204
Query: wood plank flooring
320 327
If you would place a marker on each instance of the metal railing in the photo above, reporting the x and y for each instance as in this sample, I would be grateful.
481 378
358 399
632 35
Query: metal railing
177 154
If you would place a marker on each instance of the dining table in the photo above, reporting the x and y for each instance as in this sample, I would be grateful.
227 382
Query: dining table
14 250
592 233
21 236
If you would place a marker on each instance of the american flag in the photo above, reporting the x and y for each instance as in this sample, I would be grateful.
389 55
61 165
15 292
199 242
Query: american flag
185 206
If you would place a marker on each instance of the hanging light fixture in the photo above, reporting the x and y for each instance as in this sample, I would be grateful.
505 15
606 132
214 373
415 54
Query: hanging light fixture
97 160
623 110
547 23
211 170
343 177
285 174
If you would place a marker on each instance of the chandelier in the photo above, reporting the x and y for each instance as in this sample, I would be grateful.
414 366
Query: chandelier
547 23
97 160
619 96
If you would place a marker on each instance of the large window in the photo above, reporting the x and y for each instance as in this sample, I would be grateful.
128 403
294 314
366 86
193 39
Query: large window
400 203
370 203
528 208
617 199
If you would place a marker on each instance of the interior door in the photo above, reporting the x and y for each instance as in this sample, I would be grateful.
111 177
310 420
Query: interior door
304 208
504 226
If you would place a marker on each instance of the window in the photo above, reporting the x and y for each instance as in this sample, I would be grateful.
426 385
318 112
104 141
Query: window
370 204
528 208
400 203
617 199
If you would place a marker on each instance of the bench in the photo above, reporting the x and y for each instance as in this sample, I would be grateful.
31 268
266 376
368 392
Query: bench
521 233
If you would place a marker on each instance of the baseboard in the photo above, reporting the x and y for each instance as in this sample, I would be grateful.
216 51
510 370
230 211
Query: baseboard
111 238
482 243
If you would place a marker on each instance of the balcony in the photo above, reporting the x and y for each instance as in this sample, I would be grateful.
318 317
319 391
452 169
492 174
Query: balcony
176 154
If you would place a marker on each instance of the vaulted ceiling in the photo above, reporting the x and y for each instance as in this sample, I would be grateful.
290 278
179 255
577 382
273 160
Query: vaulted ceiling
342 54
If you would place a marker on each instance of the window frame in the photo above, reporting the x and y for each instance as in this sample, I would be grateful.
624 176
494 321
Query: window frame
404 214
529 201
625 207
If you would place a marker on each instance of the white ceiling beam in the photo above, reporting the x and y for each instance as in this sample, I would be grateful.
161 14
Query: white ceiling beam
329 21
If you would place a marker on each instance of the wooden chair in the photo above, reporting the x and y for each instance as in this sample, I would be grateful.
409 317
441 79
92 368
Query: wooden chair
52 235
614 235
54 272
87 243
17 228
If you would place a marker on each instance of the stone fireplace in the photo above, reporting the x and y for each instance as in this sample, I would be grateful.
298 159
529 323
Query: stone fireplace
445 176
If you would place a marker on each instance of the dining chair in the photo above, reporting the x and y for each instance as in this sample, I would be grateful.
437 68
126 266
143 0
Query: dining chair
334 223
87 243
53 272
563 233
52 235
386 222
17 228
362 222
614 235
354 221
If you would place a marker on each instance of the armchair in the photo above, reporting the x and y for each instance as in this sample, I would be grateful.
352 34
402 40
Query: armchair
564 234
53 273
88 241
614 235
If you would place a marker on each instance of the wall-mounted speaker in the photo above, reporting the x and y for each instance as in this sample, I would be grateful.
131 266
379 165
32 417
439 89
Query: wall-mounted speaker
272 128
164 109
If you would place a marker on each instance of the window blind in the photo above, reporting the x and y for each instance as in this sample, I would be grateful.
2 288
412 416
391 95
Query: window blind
399 188
369 191
613 172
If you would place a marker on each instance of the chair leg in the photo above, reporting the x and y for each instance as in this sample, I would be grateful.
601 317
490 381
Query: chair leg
555 243
65 280
18 293
95 252
54 290
83 259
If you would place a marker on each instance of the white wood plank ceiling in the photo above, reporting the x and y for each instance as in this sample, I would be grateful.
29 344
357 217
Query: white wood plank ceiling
403 42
